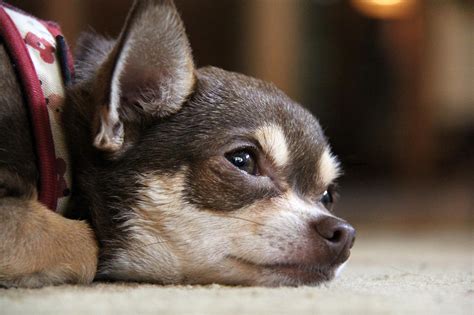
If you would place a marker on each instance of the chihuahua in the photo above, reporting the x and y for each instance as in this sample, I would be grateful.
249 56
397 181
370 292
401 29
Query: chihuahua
179 175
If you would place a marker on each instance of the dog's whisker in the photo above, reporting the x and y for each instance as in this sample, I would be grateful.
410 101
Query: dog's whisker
164 241
252 221
244 219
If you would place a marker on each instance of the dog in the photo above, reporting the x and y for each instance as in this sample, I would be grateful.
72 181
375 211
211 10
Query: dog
179 175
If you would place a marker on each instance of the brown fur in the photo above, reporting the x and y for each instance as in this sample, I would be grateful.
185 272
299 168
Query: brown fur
37 247
150 138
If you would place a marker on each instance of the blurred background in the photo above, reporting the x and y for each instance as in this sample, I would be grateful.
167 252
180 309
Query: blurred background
391 81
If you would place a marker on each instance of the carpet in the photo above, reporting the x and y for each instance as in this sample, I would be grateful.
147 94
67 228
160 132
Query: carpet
390 272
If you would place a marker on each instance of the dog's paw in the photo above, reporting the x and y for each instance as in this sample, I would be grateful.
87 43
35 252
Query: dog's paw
39 247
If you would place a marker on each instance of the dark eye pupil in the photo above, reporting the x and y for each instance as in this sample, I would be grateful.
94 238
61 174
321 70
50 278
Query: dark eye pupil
244 161
241 159
326 199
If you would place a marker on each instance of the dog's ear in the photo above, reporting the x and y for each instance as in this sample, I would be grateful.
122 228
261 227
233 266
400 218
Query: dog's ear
148 74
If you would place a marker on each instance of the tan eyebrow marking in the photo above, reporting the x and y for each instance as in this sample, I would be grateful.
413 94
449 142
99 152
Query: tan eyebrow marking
273 142
328 168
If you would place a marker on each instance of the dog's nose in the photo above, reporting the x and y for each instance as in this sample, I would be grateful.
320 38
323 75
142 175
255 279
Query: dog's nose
338 234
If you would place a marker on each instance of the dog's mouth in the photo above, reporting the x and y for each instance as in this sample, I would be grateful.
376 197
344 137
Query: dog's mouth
298 273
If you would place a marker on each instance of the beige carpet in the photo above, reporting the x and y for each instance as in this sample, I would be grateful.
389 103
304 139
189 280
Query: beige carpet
389 273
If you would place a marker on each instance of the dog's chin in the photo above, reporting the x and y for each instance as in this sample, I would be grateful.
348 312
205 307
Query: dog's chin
284 274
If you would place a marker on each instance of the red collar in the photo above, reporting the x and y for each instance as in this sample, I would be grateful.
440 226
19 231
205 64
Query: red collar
43 64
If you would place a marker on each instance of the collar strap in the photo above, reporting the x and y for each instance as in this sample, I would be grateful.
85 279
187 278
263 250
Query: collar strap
43 63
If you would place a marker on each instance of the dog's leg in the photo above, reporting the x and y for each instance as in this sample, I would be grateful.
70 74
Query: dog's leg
39 247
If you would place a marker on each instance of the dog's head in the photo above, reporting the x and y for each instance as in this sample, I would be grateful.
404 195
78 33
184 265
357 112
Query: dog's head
199 175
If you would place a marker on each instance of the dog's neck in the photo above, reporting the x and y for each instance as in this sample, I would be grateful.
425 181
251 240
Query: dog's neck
39 52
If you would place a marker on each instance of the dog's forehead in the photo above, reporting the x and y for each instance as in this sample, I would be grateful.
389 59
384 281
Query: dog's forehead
239 101
288 133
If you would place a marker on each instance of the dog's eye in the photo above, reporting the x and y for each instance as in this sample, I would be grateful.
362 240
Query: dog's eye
327 199
243 160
